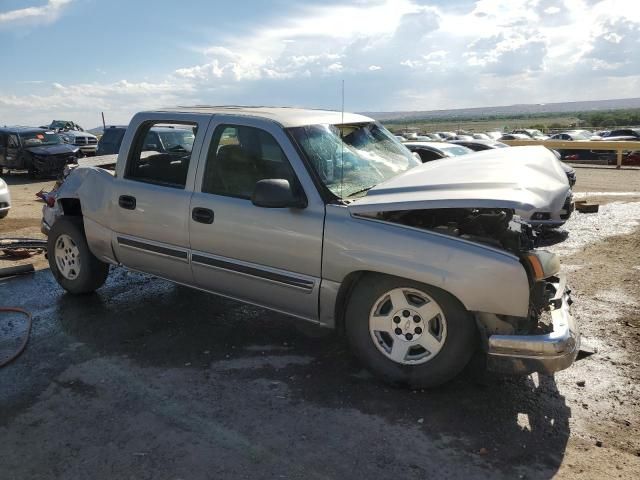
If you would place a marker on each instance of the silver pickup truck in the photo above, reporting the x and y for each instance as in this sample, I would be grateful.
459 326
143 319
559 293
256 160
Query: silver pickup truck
325 216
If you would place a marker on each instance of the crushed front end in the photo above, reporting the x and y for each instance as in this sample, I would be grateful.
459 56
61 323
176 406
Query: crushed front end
552 344
547 339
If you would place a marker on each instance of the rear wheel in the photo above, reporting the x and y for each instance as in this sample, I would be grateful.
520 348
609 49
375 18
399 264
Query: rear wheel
408 332
4 214
73 265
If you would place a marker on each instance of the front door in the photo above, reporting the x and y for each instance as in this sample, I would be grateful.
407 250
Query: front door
152 196
267 256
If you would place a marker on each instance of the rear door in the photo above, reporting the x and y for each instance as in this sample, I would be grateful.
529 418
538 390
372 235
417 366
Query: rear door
267 256
151 198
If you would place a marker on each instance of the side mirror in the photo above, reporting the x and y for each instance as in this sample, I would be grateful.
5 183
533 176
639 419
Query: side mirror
276 193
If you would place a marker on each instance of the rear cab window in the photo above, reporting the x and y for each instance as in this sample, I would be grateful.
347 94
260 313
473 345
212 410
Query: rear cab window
161 153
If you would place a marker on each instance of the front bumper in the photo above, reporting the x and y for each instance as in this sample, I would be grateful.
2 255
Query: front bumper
546 353
87 148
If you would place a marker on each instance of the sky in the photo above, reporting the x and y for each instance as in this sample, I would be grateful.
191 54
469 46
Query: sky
72 59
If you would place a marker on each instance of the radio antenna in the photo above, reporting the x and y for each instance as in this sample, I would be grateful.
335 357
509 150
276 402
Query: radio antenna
342 143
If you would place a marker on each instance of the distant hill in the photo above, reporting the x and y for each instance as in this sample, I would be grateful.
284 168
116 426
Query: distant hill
509 110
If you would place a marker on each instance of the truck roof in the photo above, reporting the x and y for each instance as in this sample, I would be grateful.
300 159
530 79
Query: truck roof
285 116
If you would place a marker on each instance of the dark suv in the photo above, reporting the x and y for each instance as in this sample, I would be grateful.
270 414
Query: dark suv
40 151
159 139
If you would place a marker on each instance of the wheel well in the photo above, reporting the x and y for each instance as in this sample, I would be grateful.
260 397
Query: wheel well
347 286
71 206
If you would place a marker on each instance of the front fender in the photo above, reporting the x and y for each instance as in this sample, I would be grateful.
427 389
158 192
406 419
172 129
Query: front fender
484 279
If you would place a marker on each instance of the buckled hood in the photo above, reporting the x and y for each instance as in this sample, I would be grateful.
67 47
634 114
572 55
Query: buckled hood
518 178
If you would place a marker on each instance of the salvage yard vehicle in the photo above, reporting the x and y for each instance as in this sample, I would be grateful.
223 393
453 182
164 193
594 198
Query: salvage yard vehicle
435 150
5 199
326 217
74 134
41 152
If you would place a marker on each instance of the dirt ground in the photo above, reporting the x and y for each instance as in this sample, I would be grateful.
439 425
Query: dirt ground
146 379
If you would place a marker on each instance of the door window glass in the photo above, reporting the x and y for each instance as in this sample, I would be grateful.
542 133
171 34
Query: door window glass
239 157
166 160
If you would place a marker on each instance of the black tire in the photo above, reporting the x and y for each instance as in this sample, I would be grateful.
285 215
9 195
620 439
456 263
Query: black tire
4 214
92 272
459 345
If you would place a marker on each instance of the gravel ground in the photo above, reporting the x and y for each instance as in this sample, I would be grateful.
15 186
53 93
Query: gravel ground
146 379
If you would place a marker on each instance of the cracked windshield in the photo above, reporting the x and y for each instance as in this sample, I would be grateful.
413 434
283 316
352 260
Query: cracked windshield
351 159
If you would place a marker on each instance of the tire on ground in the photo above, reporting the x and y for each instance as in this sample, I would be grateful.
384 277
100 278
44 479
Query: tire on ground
459 346
93 272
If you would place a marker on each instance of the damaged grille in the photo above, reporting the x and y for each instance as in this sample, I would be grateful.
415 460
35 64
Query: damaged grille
85 141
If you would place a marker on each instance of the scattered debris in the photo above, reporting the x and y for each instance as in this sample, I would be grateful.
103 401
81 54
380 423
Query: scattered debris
18 248
586 207
17 270
598 443
586 349
581 383
25 337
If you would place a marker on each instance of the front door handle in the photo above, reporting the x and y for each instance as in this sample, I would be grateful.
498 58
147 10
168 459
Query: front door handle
202 215
127 202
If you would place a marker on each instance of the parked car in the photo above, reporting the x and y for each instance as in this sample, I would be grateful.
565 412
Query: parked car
325 216
479 145
435 150
631 134
531 133
41 152
5 199
514 136
632 159
446 135
482 136
580 135
74 134
572 135
159 139
429 137
494 135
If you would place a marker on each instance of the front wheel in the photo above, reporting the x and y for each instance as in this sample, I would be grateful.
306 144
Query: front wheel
408 332
73 265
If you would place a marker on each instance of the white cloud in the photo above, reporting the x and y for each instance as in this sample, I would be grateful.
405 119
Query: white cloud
424 57
47 13
84 102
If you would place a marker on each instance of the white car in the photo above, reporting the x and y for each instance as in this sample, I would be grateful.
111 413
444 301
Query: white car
5 199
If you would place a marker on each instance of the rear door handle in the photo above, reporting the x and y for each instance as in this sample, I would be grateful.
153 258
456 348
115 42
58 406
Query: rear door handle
202 215
127 202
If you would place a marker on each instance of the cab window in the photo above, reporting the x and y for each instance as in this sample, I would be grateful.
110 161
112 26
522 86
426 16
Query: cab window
164 164
239 157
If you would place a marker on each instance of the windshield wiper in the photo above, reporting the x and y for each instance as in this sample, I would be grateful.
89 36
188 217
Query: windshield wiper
360 191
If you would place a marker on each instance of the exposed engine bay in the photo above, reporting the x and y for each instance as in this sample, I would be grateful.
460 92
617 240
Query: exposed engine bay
498 228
